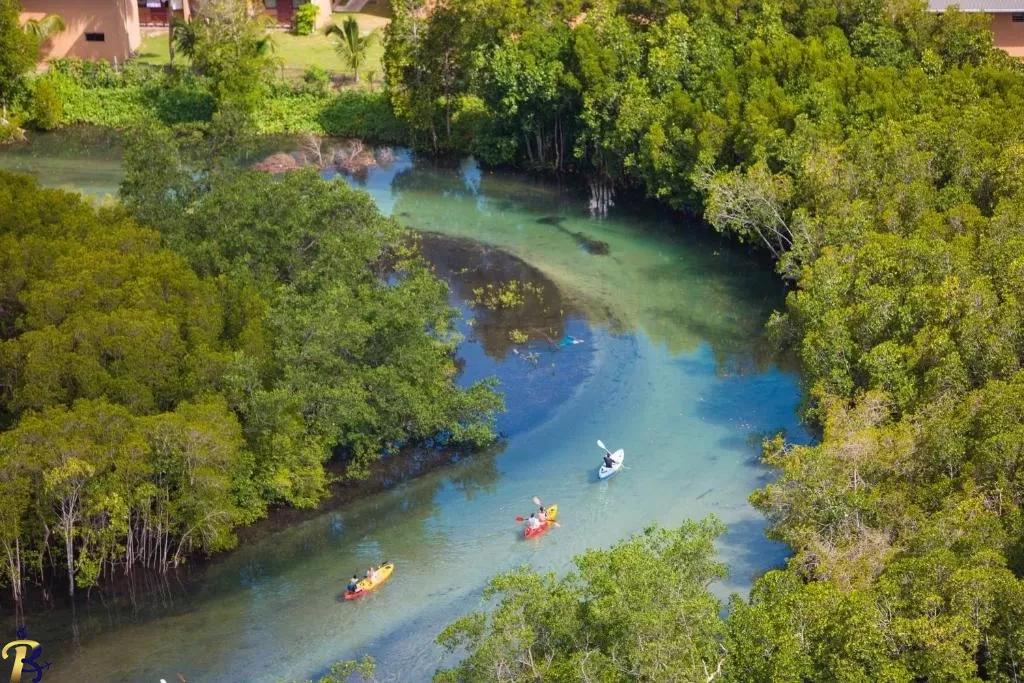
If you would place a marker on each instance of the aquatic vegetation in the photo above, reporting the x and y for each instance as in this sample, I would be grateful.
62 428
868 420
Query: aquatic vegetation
507 295
518 336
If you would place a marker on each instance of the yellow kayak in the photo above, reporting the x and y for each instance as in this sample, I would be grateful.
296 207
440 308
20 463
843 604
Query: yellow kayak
366 585
552 513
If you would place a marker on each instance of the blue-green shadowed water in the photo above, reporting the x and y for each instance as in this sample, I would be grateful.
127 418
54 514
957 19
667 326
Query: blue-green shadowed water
667 367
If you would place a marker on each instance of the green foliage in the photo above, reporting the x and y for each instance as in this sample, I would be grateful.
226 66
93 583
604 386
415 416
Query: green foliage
351 46
873 150
361 114
110 350
511 294
43 28
232 49
19 53
99 95
346 358
341 672
639 611
150 406
94 93
349 113
47 110
317 80
304 20
517 336
10 129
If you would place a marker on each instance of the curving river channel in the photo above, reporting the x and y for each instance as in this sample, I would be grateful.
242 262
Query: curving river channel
647 335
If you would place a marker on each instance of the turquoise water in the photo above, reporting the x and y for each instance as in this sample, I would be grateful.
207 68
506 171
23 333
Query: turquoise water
668 366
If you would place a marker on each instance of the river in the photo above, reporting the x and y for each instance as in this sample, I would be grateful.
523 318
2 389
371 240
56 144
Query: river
648 336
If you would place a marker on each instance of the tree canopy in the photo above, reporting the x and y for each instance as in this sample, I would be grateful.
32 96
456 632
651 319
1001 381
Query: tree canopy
873 150
19 54
157 389
638 611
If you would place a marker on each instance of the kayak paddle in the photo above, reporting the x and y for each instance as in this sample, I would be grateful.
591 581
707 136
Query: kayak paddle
603 447
536 501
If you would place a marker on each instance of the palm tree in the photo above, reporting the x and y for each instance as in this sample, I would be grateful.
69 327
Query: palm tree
45 28
351 46
183 38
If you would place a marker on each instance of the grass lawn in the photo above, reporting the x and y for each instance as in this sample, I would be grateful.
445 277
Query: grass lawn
296 53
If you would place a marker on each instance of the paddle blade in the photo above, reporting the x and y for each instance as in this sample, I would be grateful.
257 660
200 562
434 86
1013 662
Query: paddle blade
520 518
601 445
536 500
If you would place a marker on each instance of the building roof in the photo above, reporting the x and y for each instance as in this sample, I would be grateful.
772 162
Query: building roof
989 6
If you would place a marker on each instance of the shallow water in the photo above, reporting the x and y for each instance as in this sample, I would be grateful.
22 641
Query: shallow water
648 337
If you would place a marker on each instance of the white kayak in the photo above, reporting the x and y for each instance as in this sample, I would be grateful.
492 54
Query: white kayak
617 458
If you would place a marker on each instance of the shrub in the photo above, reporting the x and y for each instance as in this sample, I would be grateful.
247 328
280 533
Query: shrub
317 81
362 114
113 107
305 19
47 108
179 103
99 95
97 74
10 131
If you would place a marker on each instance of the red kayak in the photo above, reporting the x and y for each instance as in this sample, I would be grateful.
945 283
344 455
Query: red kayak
552 513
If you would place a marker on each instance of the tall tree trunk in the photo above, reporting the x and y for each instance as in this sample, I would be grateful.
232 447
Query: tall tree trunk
14 570
69 551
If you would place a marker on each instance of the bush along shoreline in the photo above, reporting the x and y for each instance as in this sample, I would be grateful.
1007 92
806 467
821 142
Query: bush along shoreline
95 93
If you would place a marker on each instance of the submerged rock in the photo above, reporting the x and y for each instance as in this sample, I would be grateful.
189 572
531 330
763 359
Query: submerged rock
592 246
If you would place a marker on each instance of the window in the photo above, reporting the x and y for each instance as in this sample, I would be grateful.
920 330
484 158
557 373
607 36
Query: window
1017 18
95 37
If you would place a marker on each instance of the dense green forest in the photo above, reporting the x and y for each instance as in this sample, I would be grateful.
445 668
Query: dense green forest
877 152
167 370
158 388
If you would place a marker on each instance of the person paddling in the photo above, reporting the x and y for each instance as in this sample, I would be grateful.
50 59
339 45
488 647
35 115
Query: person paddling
371 574
353 584
533 522
542 515
608 462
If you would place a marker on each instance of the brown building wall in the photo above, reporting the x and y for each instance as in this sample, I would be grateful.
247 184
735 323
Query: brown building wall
117 20
1008 34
